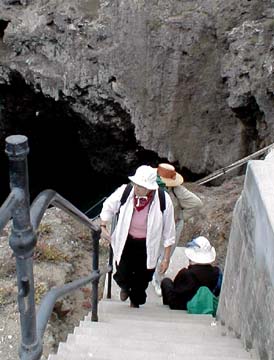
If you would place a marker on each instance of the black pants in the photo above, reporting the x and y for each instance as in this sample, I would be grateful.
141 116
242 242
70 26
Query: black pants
170 297
132 273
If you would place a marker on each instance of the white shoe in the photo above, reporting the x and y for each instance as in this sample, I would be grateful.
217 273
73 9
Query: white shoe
157 287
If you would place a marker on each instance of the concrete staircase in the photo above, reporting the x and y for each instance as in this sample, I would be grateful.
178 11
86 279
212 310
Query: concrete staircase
150 332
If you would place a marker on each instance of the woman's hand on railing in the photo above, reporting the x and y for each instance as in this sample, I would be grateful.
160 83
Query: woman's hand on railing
105 234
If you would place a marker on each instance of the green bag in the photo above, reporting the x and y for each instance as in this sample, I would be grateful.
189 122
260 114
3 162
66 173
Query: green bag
203 302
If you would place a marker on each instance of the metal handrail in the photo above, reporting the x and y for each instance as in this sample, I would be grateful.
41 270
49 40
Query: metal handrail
6 209
50 298
94 206
25 222
233 166
51 197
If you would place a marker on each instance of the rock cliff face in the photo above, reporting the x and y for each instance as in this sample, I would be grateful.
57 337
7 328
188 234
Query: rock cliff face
191 81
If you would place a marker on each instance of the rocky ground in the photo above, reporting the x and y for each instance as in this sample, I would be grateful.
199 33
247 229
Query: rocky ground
64 253
214 218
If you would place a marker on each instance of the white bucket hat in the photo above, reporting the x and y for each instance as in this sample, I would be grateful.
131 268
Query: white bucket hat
200 251
145 176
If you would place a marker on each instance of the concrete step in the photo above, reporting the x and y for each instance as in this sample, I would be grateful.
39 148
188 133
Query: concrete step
156 337
79 356
118 309
90 355
139 349
181 340
140 356
128 326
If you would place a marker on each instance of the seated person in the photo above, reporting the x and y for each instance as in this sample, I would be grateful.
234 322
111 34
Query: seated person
200 272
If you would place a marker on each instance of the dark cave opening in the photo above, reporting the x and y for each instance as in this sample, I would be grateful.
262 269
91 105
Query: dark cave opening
3 25
83 162
251 116
56 159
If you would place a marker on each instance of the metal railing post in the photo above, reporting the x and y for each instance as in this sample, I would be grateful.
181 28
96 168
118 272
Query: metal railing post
95 267
109 275
110 259
22 241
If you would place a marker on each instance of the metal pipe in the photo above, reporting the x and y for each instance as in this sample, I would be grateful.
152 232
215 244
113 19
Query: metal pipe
95 268
7 207
94 206
233 166
48 302
39 206
110 260
22 241
70 209
110 263
48 197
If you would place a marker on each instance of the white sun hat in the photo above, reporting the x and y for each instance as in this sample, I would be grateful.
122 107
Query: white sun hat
145 176
200 251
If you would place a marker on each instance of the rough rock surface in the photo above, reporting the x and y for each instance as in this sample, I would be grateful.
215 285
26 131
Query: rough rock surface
70 258
195 78
63 254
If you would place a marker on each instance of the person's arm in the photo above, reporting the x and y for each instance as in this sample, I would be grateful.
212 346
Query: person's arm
105 232
110 208
166 259
189 202
168 233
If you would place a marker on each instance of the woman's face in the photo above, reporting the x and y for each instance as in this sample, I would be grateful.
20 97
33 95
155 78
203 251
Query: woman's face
140 190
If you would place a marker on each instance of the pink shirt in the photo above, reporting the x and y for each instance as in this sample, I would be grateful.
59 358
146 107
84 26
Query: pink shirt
138 225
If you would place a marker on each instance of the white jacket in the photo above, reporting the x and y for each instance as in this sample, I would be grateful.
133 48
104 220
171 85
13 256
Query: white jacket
160 226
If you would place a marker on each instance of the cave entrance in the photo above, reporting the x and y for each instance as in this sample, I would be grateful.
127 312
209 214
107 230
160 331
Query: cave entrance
252 119
83 162
56 159
3 25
